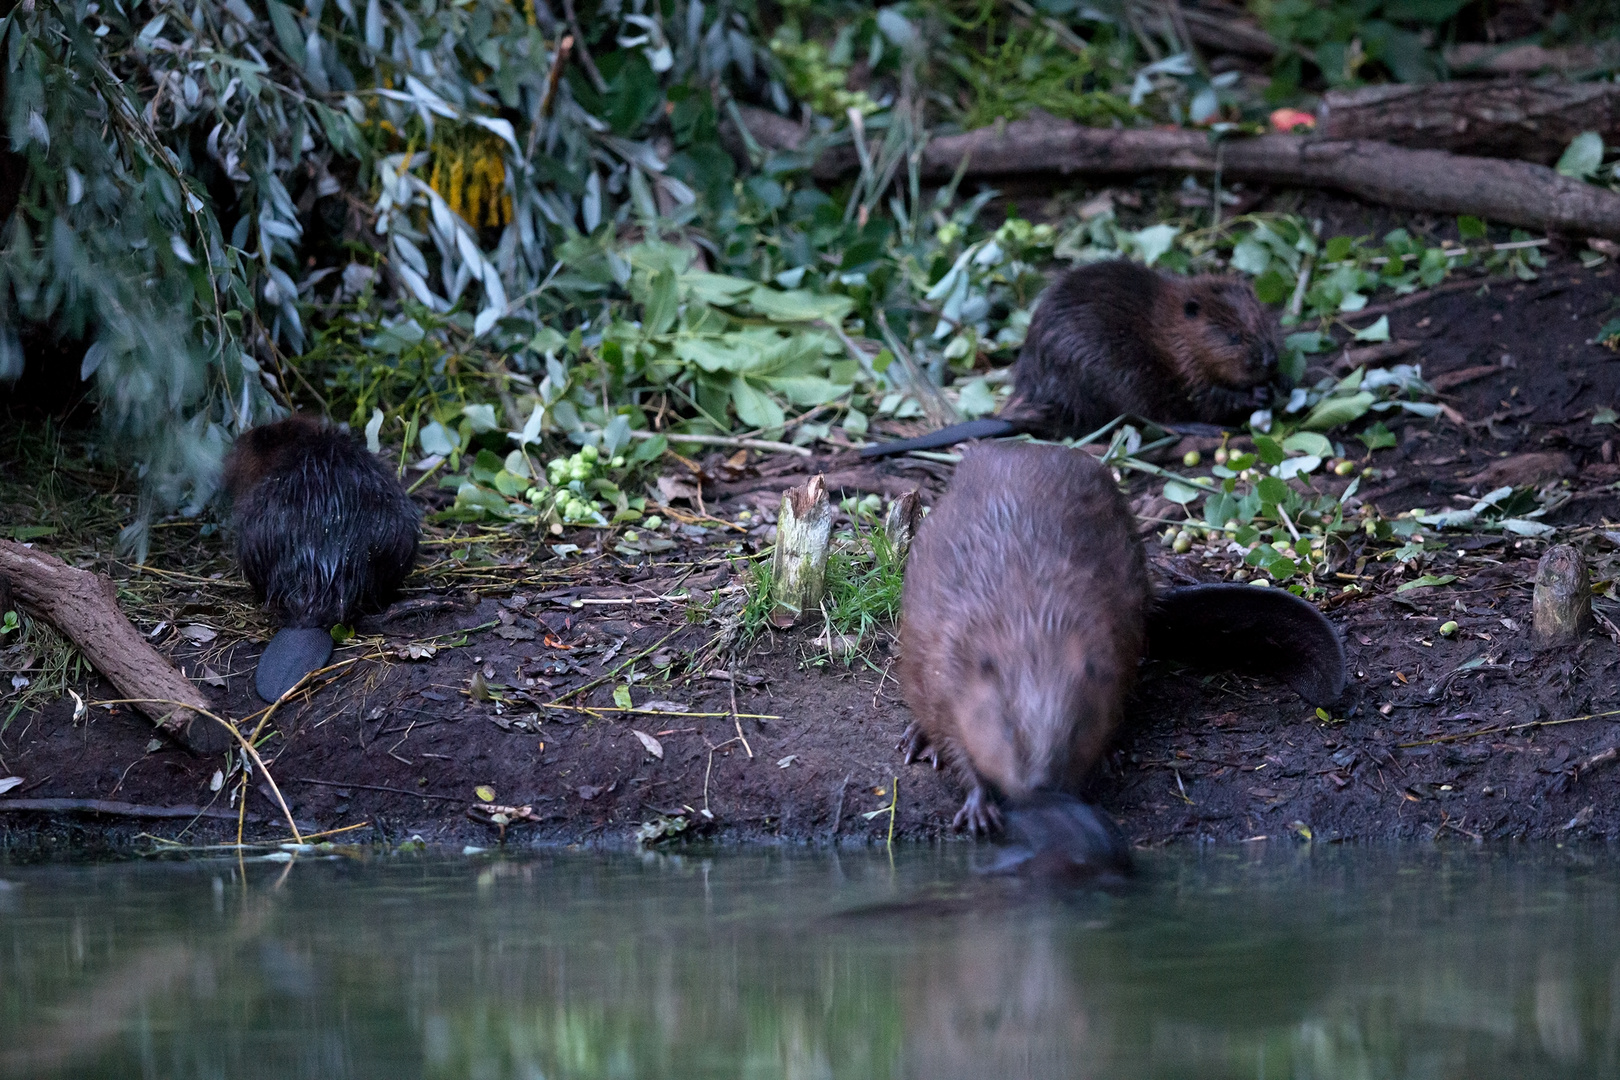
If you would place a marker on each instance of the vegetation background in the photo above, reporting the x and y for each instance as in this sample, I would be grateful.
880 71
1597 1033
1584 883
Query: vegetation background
515 240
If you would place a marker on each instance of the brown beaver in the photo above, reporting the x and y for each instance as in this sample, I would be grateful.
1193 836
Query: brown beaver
1025 611
323 531
1115 337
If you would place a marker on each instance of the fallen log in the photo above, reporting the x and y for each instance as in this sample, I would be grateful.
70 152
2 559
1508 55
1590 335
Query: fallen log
1478 58
1518 193
84 607
1511 118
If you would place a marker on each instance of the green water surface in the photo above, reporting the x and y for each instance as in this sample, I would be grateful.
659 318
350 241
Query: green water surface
1273 962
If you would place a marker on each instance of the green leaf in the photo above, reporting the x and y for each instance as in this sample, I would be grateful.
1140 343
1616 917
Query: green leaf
1427 580
1178 492
804 389
721 290
976 399
1220 508
1272 490
800 305
1270 451
1332 412
725 353
1378 331
1251 257
754 408
486 465
510 484
1378 437
1308 341
621 696
288 35
481 418
1154 241
1308 442
1521 527
1272 287
663 303
1470 227
1583 157
1338 249
475 501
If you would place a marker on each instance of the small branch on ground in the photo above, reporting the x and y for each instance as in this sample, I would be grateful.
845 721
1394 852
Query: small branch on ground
84 607
765 445
113 808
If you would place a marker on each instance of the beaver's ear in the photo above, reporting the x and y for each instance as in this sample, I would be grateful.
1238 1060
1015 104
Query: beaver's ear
1191 308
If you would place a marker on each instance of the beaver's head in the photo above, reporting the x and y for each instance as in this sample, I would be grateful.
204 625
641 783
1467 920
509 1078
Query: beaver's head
1230 336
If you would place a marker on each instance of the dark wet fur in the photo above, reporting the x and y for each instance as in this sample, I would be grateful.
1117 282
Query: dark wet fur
1025 613
1246 628
323 529
1022 624
1115 338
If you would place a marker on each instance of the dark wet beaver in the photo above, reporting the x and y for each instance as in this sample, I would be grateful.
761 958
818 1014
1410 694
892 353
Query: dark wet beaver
1116 338
1025 611
323 531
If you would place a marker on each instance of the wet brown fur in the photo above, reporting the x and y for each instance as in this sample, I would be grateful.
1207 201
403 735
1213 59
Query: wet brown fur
1115 337
1023 619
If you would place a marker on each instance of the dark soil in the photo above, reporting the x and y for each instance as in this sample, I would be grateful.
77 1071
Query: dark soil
1427 745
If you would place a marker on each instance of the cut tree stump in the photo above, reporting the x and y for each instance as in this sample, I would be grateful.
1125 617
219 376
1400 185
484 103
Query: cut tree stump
799 565
900 523
1563 597
1519 193
84 607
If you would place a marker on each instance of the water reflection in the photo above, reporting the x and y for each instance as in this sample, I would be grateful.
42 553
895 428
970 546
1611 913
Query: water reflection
1294 963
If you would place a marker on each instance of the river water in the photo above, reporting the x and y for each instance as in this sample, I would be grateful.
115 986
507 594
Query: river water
1272 962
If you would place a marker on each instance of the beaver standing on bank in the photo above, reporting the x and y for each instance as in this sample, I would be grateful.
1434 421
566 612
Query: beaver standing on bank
1115 337
323 530
1025 611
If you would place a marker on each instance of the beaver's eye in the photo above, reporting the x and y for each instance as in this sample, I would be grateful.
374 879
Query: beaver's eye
1236 340
1191 308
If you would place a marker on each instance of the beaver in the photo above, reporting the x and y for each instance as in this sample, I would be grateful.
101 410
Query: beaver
1025 611
323 531
1115 337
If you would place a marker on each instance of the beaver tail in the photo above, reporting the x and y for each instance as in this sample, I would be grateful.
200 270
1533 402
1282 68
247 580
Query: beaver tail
989 427
293 652
1244 628
1053 834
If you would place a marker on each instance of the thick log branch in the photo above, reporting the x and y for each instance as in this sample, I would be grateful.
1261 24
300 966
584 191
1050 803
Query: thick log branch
1510 118
84 607
1511 192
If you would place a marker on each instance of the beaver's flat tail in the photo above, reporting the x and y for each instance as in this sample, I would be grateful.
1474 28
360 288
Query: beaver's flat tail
294 652
989 427
1245 628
